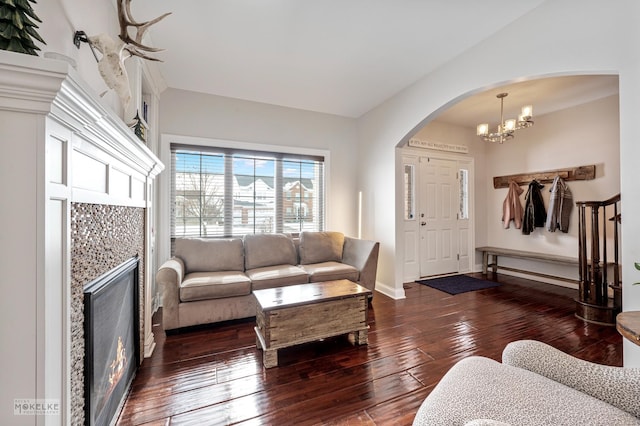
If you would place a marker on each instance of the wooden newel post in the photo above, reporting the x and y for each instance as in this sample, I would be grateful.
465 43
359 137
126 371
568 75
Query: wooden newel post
593 303
583 264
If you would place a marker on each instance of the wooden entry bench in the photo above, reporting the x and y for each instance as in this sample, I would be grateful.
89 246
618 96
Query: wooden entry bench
495 252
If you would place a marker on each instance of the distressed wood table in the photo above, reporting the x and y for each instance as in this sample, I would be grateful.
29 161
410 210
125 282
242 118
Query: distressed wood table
296 314
628 324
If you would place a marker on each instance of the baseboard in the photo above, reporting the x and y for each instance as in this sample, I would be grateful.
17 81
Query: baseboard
392 292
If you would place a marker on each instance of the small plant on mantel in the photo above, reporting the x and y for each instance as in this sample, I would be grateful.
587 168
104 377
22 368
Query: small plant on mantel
138 128
637 265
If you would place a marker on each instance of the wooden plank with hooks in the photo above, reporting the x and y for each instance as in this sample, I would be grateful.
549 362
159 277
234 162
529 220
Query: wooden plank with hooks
568 174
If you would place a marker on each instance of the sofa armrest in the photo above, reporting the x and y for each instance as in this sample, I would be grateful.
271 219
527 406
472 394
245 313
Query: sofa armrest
169 277
617 386
362 255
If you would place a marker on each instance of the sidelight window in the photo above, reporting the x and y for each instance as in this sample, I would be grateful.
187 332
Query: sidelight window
463 212
409 192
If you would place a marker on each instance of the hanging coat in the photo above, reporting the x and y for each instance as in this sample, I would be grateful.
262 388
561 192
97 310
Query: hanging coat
560 204
512 207
535 214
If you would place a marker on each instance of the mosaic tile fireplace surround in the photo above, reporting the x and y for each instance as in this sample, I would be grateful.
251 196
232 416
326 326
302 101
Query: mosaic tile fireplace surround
103 237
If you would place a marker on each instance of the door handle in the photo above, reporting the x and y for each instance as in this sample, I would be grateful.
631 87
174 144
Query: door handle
423 223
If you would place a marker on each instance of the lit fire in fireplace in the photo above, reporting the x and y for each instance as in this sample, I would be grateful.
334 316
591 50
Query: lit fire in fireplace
117 365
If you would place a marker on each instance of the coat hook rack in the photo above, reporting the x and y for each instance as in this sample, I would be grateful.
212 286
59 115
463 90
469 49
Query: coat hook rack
568 174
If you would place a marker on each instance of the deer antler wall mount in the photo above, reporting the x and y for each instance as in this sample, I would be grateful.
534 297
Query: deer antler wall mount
115 52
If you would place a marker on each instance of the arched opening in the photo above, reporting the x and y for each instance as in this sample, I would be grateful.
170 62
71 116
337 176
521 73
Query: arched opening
576 123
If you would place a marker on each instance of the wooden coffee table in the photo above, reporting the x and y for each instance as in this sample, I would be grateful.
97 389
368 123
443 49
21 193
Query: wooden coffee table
291 315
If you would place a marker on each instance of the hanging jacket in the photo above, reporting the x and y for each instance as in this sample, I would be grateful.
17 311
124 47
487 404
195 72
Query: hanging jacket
511 206
535 214
560 204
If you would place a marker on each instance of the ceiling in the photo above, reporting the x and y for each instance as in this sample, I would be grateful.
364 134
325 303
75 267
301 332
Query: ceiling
332 56
343 57
546 95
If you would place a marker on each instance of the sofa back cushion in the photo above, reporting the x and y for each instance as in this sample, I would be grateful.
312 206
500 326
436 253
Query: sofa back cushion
317 247
210 255
262 250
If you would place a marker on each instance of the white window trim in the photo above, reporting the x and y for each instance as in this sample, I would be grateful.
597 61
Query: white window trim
163 232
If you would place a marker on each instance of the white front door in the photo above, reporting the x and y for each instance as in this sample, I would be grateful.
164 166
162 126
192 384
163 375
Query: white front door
439 206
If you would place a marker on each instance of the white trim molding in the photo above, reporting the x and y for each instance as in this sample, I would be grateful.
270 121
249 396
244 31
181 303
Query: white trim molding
36 85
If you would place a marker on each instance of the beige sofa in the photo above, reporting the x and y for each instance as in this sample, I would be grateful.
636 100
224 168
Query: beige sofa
212 280
536 384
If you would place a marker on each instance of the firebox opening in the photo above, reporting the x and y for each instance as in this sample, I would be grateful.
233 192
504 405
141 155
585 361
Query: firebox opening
111 330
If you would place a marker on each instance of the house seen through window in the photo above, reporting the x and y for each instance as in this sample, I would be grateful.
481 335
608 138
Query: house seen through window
222 193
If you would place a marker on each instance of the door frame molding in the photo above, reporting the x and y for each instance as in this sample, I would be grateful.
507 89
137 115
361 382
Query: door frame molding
410 155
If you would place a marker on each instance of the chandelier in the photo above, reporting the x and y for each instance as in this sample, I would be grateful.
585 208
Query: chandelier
506 128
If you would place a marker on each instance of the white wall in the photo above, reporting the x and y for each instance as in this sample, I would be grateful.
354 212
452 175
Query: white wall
186 113
579 37
61 19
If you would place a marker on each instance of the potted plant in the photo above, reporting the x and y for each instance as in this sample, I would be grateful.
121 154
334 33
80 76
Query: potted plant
17 29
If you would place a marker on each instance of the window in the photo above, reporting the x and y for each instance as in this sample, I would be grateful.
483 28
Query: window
463 212
409 192
222 193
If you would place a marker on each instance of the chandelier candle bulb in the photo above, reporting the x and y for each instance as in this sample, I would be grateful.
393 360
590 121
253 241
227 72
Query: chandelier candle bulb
527 112
510 125
482 130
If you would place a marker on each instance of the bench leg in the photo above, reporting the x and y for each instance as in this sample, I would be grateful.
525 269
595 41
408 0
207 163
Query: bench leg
485 262
494 265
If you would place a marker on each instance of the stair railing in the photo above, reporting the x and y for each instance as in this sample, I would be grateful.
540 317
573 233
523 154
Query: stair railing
593 302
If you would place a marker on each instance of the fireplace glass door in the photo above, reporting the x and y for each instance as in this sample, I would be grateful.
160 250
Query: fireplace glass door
111 328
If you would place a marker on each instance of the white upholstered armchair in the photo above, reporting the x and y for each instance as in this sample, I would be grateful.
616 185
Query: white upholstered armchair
535 384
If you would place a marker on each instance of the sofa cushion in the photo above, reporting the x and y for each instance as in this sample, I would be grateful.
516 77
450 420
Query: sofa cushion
276 276
214 285
317 247
481 388
210 255
327 271
262 250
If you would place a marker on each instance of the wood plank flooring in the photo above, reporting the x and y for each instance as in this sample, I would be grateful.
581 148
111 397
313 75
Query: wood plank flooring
214 376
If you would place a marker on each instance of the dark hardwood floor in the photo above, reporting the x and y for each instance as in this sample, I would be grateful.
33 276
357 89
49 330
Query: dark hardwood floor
214 375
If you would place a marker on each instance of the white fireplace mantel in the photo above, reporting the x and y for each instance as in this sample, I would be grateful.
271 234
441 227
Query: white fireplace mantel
60 144
43 86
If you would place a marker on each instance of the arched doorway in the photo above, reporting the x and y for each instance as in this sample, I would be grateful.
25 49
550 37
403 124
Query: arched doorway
576 122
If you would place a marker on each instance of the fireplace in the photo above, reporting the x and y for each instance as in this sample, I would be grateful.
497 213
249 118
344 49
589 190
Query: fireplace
84 182
112 343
